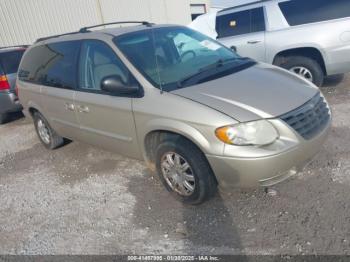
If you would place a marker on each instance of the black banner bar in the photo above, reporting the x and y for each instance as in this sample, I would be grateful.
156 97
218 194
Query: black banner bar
174 258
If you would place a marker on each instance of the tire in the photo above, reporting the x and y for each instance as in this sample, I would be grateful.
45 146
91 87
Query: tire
294 62
3 118
205 185
54 140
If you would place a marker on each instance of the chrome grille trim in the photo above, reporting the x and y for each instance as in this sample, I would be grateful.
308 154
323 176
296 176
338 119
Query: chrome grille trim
310 119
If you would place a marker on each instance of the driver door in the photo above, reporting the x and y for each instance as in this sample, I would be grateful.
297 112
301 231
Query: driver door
105 119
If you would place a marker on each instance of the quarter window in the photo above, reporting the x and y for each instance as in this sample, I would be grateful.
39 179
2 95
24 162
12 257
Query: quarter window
239 23
51 65
298 12
97 61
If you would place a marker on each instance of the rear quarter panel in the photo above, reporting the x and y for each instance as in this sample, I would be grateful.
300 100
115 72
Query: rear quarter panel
30 97
331 38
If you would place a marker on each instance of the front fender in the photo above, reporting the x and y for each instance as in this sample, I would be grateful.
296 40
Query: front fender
177 127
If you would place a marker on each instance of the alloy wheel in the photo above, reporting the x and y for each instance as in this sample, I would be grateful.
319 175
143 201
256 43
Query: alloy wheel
303 72
178 173
43 132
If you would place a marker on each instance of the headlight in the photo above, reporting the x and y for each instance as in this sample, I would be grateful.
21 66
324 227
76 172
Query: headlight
257 133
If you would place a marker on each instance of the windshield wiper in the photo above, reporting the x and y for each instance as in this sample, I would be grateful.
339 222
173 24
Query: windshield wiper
219 63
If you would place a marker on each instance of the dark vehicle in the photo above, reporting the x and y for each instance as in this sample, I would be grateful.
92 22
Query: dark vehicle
10 57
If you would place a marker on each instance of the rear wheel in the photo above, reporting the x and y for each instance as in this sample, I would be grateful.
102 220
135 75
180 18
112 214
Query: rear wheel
48 137
305 67
185 171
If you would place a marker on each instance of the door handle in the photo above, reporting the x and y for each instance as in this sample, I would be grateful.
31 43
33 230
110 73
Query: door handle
69 106
83 109
253 42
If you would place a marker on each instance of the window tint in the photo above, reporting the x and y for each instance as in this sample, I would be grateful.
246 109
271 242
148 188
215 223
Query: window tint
257 21
98 61
299 12
10 61
244 22
168 55
51 65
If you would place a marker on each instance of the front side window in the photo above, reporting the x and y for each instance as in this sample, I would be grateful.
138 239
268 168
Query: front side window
168 56
97 61
298 12
51 65
239 23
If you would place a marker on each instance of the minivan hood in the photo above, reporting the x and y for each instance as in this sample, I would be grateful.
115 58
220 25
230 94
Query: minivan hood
261 91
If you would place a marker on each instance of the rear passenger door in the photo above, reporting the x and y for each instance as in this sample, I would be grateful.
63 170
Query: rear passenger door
105 119
243 31
52 68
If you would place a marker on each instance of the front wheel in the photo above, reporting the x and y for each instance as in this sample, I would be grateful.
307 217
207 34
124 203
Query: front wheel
185 171
305 67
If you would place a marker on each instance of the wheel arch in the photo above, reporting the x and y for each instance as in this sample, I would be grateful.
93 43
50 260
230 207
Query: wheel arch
33 107
159 130
310 52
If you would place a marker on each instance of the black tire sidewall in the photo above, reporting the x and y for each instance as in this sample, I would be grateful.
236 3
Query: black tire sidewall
200 167
312 65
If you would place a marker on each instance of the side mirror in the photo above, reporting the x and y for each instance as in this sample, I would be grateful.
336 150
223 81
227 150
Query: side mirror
234 48
114 85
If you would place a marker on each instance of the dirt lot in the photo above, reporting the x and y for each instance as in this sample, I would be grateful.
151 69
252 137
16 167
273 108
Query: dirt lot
82 200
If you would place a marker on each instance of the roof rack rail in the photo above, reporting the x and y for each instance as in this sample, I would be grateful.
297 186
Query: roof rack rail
86 29
14 46
54 36
243 5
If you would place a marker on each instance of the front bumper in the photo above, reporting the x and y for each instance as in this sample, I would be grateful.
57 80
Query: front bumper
9 103
269 170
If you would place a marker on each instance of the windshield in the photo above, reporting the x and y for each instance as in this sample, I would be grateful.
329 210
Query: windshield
170 56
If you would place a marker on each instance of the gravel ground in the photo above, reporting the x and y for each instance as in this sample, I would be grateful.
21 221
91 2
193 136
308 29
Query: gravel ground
82 200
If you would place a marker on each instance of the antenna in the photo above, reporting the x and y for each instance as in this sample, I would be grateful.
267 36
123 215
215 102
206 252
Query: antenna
157 65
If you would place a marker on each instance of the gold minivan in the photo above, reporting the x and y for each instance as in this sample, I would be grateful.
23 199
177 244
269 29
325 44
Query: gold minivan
199 114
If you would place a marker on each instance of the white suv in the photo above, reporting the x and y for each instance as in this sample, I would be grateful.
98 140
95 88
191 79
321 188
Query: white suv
310 38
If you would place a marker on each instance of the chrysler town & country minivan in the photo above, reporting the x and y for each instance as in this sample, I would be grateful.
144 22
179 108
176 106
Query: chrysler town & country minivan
201 118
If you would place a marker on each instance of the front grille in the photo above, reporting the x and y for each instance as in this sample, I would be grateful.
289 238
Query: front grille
309 119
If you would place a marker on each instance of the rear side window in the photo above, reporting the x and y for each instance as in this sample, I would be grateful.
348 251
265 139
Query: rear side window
10 61
239 23
51 65
298 12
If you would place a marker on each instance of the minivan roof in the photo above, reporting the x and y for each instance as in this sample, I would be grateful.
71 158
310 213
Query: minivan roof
115 31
